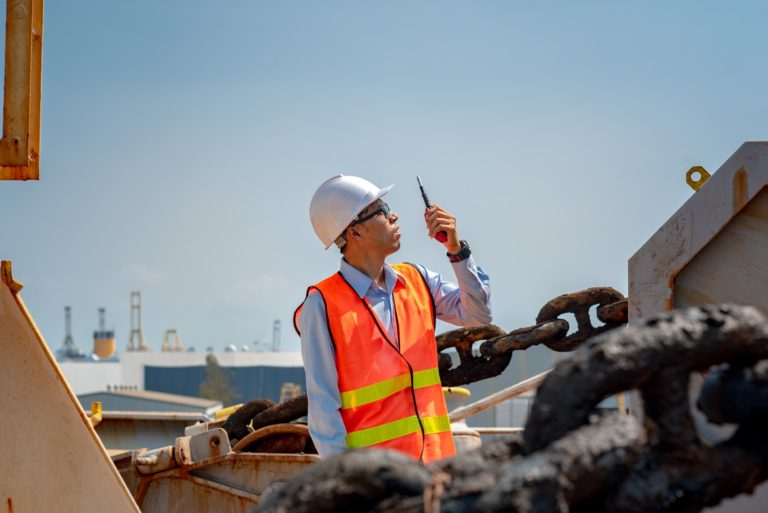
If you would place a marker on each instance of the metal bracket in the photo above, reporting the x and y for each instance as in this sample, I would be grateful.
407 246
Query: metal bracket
183 454
96 413
151 462
696 176
7 277
203 446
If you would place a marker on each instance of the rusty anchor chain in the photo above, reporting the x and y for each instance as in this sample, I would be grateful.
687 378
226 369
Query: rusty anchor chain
496 347
579 304
473 367
248 425
573 458
489 359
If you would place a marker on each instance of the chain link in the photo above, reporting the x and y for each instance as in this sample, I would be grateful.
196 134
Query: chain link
579 304
489 359
473 367
574 457
496 346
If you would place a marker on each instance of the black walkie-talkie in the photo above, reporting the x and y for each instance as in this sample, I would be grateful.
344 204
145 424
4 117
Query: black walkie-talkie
441 236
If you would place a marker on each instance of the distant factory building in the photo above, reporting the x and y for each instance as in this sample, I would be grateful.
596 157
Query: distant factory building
251 375
146 400
249 378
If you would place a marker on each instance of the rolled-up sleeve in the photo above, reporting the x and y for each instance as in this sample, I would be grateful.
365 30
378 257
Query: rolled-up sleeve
326 426
465 303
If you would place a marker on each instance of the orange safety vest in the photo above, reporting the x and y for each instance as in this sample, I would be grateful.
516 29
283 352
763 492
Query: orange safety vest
390 398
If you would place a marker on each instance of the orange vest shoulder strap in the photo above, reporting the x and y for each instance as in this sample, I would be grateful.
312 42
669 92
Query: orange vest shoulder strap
413 275
317 287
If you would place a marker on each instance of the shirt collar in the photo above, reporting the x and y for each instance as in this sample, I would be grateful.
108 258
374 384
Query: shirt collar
361 283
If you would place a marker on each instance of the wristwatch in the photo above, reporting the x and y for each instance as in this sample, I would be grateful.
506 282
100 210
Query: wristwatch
462 254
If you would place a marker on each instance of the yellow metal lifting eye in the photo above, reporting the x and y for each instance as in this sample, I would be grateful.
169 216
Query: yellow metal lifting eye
696 176
95 413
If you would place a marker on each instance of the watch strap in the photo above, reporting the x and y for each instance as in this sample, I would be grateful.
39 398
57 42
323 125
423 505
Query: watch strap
462 254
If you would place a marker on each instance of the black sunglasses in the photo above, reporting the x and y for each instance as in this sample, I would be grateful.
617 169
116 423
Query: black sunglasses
383 209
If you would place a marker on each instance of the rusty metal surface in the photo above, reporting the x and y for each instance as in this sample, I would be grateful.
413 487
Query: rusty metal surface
187 417
135 430
191 494
572 458
208 445
183 452
614 313
579 305
278 438
6 274
124 464
523 338
20 144
52 444
152 462
233 482
472 367
201 472
731 268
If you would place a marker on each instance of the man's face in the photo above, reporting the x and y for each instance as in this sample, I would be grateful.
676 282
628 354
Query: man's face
378 233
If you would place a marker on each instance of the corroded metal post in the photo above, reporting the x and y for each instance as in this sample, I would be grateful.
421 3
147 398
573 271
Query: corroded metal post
20 144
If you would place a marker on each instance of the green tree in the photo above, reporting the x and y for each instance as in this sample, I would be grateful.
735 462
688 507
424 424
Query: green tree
216 384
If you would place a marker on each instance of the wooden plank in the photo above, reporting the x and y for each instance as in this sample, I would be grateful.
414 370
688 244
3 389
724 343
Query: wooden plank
498 430
492 400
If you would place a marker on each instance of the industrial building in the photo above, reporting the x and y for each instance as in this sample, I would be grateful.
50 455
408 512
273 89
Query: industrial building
133 400
252 375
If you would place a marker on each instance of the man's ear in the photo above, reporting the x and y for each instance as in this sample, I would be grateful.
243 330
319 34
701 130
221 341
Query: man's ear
351 233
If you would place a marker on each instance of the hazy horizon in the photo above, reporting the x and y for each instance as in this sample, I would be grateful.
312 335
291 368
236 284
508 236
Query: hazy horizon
181 145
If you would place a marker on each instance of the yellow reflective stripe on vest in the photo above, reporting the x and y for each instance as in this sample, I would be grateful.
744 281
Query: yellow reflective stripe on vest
426 378
439 424
396 429
384 389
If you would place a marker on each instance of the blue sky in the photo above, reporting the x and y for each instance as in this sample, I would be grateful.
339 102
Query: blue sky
182 141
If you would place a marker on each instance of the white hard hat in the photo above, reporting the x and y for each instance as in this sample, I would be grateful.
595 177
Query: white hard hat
337 202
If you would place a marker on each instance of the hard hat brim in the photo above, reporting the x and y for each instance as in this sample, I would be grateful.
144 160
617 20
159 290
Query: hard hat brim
378 196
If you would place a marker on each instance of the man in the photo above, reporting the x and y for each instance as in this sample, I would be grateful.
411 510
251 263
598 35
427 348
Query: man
368 331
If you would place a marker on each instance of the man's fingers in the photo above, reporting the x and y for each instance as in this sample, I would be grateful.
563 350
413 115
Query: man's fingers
441 220
446 226
438 214
438 220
